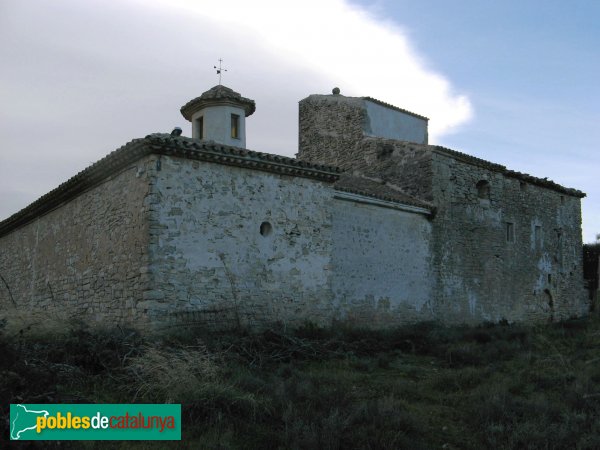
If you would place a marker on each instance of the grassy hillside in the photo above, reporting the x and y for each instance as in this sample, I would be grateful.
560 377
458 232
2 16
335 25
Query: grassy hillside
424 386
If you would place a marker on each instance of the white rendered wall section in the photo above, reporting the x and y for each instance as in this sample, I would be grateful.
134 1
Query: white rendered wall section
392 124
381 264
217 125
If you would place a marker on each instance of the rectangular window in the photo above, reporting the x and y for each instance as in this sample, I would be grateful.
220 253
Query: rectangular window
510 232
537 235
559 248
201 127
235 126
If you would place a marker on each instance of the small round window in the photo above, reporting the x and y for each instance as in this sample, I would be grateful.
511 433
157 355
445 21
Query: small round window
266 228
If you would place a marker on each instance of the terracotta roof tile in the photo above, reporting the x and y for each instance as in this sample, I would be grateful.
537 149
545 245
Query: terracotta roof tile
165 144
388 105
215 95
372 188
544 182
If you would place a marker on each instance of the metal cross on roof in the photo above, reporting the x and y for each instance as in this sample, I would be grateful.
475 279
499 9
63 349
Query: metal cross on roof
220 70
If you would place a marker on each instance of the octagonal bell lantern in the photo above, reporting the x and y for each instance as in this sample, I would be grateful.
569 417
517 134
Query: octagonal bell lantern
219 115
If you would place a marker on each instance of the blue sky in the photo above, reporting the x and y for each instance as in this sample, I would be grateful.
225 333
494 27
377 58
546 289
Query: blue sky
531 70
538 57
511 82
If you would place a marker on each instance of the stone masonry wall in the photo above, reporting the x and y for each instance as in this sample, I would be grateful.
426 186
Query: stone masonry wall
381 265
591 272
211 265
84 259
332 132
486 271
405 165
330 129
479 275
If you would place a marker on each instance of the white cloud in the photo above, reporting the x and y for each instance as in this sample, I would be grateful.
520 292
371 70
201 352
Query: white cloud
82 78
342 44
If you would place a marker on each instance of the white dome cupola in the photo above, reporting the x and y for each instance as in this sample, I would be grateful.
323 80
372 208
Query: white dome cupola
219 115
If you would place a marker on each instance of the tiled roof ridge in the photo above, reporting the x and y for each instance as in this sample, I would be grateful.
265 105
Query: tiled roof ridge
405 199
417 201
544 182
389 105
381 197
420 201
228 154
214 95
469 158
84 179
165 144
371 99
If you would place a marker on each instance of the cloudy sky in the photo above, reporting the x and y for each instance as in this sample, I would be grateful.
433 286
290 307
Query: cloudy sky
514 82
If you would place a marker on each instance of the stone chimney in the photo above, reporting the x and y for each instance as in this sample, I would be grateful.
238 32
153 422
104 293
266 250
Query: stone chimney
219 115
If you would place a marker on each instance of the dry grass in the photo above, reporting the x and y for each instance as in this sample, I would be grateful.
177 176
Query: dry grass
424 386
174 375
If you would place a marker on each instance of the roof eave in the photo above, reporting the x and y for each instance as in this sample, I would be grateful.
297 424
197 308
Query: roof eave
164 144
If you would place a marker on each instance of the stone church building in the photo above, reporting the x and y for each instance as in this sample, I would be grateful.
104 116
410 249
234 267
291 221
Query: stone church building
369 225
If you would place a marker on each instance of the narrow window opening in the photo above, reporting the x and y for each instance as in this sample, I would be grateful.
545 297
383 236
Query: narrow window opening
559 247
550 301
510 232
266 229
522 185
201 127
235 126
483 189
537 236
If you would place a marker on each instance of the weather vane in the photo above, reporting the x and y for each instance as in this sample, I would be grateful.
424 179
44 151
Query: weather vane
220 70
